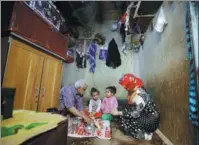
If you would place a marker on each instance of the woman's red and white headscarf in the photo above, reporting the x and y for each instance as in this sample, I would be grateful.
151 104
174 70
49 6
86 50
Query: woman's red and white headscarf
130 82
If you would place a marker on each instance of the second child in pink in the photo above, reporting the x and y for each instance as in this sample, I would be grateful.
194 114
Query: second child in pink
109 103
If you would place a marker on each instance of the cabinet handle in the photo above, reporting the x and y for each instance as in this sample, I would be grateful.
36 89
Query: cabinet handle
44 91
37 92
37 95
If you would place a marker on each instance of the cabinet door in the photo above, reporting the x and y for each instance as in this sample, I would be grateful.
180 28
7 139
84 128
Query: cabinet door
51 84
23 72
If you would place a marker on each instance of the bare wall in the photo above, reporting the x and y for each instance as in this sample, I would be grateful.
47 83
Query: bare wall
164 67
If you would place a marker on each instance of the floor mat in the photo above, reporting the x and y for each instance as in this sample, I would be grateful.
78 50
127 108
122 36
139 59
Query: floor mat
118 138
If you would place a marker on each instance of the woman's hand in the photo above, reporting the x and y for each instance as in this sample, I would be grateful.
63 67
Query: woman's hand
116 112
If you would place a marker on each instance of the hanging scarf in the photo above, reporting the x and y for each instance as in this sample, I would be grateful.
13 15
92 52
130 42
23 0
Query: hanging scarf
92 56
193 100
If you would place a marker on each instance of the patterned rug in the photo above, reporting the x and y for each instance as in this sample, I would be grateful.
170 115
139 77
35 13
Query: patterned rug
118 138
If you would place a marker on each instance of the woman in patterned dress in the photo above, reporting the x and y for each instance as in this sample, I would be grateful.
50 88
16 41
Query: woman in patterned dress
139 118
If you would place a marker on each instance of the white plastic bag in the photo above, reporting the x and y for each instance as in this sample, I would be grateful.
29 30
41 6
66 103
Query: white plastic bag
161 21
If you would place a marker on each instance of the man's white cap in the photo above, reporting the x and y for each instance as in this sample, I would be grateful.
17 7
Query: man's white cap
80 83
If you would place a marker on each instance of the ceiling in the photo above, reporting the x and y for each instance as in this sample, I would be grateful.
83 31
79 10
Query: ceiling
110 10
106 10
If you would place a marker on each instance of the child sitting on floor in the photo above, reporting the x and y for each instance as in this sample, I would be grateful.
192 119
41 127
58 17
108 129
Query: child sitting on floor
109 103
94 104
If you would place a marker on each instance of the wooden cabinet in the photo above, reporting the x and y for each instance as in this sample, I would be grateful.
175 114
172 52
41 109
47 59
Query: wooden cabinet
4 54
50 84
35 75
30 26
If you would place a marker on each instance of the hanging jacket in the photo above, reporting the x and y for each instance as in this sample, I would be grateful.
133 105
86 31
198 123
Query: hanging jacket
113 57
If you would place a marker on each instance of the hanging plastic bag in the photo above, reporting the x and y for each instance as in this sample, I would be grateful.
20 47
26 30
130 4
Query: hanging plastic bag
103 53
161 21
114 26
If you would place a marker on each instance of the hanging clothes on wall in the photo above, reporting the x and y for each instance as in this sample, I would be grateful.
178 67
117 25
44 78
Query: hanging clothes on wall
80 60
161 21
113 57
70 56
193 94
122 33
103 53
124 22
128 15
114 27
142 37
92 56
125 18
80 55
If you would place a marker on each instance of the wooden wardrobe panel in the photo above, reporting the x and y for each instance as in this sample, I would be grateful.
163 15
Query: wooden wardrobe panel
51 84
23 72
57 84
4 55
26 23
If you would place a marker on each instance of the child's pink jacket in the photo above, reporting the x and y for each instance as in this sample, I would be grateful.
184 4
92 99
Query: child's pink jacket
109 104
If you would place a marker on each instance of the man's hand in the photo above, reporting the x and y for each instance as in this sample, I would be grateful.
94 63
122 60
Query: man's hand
76 112
87 119
82 112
